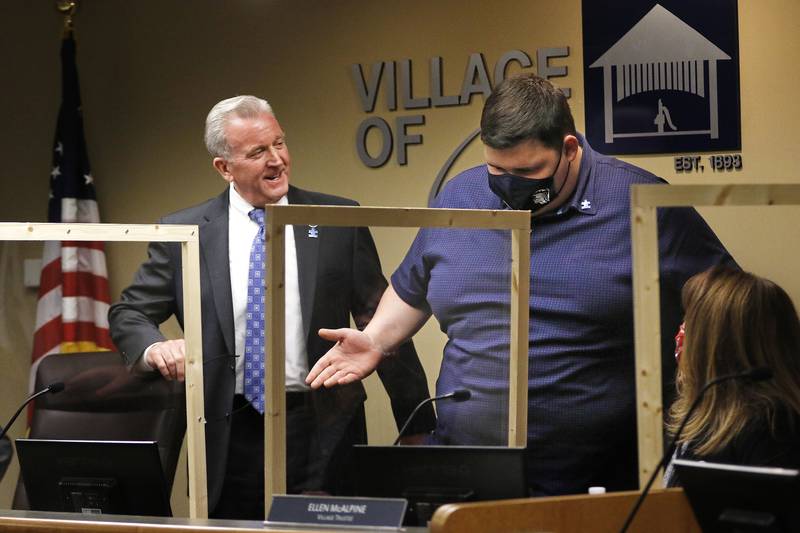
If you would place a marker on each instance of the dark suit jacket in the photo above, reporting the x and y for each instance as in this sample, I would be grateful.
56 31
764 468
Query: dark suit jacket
339 275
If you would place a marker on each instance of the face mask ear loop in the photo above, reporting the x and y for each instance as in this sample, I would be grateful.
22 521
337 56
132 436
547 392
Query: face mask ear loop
565 180
569 163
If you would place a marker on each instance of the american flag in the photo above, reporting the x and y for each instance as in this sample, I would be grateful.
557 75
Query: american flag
71 314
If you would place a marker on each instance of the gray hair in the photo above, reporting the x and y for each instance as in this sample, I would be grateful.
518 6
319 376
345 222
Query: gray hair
245 106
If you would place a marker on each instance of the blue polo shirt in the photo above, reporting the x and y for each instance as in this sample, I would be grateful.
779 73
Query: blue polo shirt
581 411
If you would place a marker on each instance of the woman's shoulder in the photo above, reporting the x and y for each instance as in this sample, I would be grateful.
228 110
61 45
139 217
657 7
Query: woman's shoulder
764 444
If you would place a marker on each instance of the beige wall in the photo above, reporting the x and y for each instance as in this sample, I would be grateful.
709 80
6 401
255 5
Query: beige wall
150 70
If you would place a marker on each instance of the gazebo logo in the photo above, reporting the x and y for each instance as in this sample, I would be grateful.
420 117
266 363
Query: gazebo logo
660 80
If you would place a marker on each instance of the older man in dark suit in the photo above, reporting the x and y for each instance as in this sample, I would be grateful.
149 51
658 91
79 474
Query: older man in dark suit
331 273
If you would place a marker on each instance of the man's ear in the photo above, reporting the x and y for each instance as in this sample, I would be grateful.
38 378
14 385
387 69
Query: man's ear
571 145
222 167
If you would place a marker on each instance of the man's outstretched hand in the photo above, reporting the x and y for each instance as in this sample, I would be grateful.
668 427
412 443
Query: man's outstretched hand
353 358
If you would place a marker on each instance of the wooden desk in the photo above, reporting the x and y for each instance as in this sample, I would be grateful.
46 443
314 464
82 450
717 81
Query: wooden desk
663 511
42 522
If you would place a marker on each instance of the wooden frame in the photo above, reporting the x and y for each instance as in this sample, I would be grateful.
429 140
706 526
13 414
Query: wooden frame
190 255
645 199
278 217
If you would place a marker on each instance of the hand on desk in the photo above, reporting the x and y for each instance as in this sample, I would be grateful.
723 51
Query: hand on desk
169 358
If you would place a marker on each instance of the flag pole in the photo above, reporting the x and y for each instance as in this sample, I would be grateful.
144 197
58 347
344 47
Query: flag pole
67 8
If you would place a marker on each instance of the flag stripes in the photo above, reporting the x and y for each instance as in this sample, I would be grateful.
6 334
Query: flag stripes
72 311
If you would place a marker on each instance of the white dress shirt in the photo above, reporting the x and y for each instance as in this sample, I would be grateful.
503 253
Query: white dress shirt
241 232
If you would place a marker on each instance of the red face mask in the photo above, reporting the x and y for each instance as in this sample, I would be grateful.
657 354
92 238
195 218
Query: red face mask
679 341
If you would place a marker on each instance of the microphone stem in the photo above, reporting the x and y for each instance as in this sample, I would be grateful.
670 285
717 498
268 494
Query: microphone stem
669 451
21 407
410 418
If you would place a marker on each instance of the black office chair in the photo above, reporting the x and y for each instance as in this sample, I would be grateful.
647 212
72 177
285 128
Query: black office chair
102 400
5 455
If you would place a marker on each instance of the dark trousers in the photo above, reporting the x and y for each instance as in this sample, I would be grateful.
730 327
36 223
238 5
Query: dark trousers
310 467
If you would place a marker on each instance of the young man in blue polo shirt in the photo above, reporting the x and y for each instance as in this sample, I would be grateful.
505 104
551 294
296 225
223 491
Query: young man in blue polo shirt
581 413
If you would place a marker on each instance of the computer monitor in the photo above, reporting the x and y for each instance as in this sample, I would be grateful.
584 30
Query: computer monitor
429 476
742 499
94 477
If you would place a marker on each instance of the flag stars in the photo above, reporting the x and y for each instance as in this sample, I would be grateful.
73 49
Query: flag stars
88 179
56 172
59 148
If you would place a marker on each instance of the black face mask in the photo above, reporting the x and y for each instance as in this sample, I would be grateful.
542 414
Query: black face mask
525 194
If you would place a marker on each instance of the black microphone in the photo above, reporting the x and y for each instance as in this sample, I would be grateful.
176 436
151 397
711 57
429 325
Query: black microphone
53 387
751 376
460 395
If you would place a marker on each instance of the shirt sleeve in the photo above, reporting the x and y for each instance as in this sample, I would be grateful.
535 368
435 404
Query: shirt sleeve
410 280
141 364
688 246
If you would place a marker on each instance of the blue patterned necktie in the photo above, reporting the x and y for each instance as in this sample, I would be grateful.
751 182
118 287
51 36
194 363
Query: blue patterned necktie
254 335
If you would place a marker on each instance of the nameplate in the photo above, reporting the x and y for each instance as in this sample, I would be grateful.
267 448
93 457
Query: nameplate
336 512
